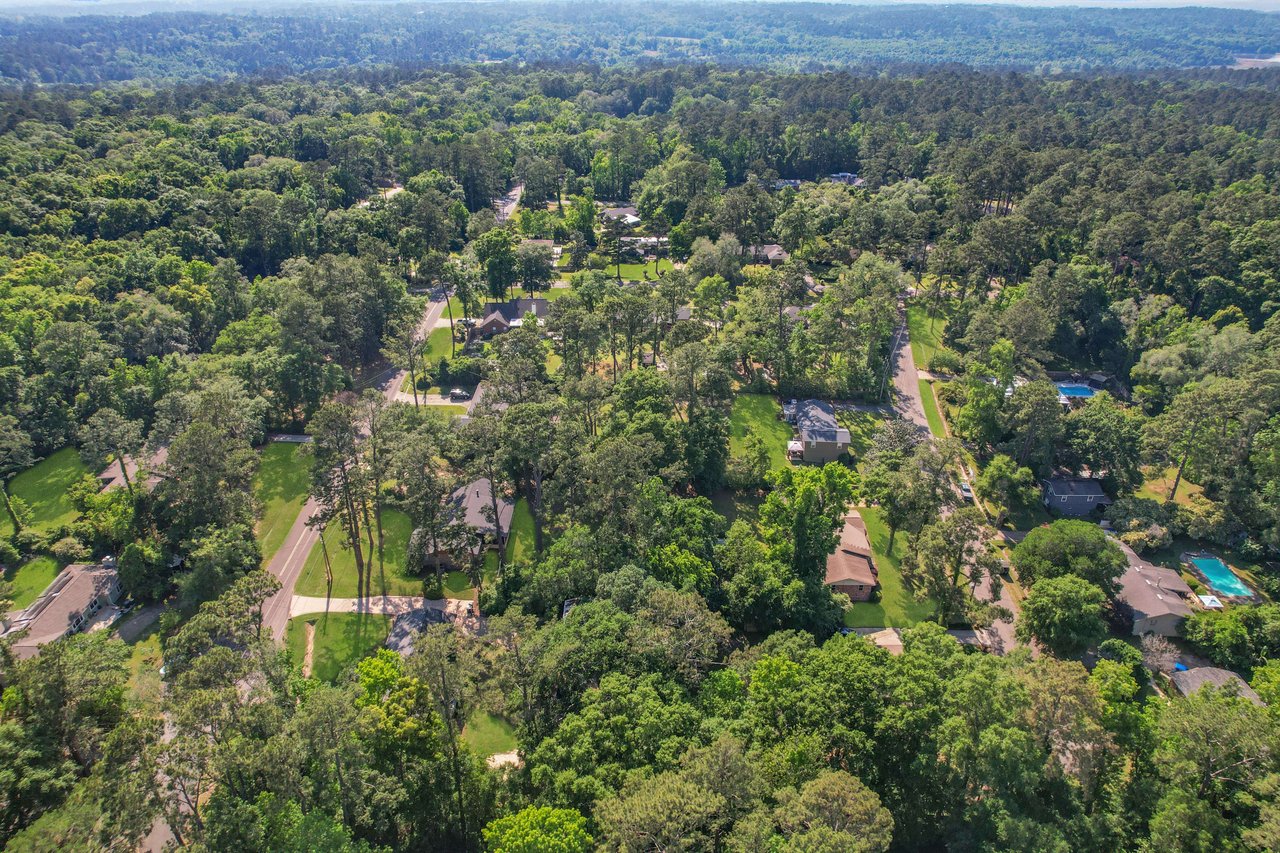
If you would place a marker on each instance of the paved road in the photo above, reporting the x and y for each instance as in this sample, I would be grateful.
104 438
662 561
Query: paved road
288 562
388 605
506 206
906 381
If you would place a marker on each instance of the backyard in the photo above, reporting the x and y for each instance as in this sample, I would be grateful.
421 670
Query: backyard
30 579
488 734
897 607
391 579
43 487
862 429
341 640
281 489
763 413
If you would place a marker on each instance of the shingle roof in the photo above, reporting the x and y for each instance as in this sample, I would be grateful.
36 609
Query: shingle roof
471 501
816 420
1154 591
1192 680
852 561
1083 487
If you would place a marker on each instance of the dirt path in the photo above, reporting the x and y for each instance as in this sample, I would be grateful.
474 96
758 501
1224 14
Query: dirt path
311 648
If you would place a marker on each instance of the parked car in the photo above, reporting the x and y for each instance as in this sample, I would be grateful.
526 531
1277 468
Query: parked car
966 491
459 394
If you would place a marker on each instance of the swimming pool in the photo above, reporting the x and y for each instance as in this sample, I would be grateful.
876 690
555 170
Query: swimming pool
1073 389
1220 576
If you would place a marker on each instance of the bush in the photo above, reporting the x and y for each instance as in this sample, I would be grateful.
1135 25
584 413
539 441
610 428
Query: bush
30 541
9 556
1201 518
947 362
68 549
1119 651
1141 523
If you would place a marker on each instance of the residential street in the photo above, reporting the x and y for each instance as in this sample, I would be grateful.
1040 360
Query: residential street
288 562
906 381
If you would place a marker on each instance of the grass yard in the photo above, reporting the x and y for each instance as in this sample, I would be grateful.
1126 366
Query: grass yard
635 272
862 428
391 580
520 545
763 412
280 486
31 578
926 334
897 608
735 505
44 488
488 734
341 640
931 411
1158 483
145 658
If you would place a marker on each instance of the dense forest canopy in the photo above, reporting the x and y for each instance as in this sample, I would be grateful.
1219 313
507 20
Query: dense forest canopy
187 45
624 272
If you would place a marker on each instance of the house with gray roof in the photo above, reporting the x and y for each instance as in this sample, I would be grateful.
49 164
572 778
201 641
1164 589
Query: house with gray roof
819 438
81 598
473 505
1158 597
1189 681
1076 497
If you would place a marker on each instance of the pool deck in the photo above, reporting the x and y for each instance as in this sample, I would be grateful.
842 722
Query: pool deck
1187 558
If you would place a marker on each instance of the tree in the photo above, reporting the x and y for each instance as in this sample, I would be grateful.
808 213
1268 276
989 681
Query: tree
1003 483
834 811
495 252
206 480
947 561
338 480
15 456
539 829
1033 423
1069 546
1104 437
109 437
1063 614
534 266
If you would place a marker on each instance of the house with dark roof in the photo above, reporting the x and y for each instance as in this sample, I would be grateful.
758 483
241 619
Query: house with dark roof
1076 497
81 598
851 569
1189 681
1159 597
768 253
819 439
498 317
473 505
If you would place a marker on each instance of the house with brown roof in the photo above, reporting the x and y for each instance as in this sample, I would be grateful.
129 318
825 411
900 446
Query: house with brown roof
81 598
851 569
1158 597
768 253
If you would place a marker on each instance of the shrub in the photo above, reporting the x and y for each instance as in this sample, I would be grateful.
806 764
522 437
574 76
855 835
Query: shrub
68 549
8 554
1141 523
945 362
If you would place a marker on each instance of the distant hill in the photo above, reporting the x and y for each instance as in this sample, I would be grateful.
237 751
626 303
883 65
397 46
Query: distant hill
168 46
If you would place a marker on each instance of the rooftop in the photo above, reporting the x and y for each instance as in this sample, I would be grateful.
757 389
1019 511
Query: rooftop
1192 680
1154 591
1076 487
61 607
852 561
816 421
474 498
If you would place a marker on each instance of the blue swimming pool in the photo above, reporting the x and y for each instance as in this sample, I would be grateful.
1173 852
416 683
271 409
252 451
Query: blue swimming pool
1220 576
1073 389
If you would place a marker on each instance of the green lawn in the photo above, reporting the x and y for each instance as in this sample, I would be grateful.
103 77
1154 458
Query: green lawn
926 334
31 578
391 580
488 734
897 608
44 487
341 640
145 659
281 489
1158 483
931 413
736 505
635 272
763 412
862 428
520 544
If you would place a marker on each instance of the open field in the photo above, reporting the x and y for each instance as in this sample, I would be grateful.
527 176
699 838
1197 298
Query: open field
635 272
341 640
31 578
1159 482
763 413
897 608
391 579
43 487
280 486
